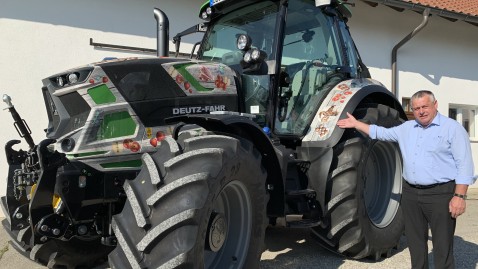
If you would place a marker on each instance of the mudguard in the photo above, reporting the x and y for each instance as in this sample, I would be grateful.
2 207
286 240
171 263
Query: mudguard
343 98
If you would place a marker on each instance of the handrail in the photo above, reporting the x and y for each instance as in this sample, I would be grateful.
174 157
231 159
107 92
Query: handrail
120 47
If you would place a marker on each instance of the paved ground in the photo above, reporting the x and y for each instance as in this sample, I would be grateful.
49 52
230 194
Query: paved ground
295 248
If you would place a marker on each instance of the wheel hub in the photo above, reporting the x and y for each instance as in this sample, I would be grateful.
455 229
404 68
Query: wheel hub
217 231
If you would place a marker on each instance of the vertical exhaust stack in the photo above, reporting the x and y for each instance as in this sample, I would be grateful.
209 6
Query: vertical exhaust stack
163 33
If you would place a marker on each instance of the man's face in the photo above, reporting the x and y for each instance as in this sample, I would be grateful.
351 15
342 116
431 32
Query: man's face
424 110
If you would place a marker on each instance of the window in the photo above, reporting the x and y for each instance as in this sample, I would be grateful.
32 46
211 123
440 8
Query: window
407 107
406 104
467 116
311 54
256 20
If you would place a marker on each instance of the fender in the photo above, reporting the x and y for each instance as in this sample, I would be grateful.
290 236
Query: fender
343 98
246 128
323 135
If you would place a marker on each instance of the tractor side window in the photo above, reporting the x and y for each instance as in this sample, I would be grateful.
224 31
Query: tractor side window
349 49
256 96
311 55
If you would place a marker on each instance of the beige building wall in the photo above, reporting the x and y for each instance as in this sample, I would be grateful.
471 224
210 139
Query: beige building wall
42 38
441 58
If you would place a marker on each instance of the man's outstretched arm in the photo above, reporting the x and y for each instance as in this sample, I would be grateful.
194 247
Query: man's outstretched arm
352 122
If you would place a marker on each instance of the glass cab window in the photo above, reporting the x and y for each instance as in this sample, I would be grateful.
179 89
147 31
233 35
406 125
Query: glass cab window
256 20
259 22
312 55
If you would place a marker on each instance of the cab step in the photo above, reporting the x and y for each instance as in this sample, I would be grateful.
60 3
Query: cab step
304 192
296 221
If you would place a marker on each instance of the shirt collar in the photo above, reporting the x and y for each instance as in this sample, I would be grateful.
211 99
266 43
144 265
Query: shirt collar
435 121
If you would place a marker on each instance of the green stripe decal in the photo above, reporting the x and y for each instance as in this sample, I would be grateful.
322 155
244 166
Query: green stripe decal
116 124
85 154
101 95
181 68
125 164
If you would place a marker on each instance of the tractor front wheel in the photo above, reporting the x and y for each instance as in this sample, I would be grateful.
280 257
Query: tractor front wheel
201 204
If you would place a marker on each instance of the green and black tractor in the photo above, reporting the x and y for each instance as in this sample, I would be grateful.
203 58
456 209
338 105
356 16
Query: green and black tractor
167 162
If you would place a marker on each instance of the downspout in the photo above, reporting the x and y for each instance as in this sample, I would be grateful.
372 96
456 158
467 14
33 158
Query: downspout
426 14
162 38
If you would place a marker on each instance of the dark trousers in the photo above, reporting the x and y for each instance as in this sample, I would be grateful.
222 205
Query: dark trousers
423 208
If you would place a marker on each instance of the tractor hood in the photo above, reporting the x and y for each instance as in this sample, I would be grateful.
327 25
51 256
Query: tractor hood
95 107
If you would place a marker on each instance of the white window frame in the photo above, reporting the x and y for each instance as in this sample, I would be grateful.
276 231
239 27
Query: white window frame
466 113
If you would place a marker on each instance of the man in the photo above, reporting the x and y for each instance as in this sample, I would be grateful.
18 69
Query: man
437 170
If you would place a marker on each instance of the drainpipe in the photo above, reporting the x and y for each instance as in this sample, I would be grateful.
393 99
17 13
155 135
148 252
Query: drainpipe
162 38
426 14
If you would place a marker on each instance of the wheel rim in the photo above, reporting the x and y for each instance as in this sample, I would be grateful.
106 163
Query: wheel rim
216 232
227 246
382 183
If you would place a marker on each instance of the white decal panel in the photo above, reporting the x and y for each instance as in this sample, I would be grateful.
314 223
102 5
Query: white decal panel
325 120
202 78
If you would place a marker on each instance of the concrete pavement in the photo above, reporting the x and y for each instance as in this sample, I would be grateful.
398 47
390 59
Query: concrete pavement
295 248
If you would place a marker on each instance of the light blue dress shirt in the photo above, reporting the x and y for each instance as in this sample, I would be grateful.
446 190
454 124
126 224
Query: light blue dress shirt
438 153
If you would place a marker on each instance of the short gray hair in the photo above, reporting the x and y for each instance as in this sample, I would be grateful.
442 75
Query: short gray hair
423 93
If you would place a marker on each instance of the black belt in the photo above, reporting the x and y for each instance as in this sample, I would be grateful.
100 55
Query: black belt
417 186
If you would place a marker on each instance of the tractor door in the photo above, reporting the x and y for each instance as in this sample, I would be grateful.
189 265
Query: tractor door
314 59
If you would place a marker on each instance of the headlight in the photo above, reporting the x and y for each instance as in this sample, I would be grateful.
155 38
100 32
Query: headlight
255 55
72 78
60 81
204 15
247 57
244 42
68 144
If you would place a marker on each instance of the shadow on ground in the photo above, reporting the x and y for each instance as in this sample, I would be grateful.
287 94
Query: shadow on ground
296 248
466 254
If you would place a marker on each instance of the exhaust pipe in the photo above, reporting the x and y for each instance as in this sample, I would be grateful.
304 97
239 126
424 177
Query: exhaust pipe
162 39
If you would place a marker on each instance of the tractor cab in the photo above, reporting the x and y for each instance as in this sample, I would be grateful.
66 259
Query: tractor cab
289 55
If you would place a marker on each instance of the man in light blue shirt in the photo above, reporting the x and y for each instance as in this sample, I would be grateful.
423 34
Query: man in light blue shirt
438 168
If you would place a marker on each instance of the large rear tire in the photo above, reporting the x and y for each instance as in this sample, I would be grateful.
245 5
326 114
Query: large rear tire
363 216
202 205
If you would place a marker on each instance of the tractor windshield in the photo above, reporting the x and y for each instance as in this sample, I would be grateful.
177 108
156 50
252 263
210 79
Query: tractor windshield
259 22
256 20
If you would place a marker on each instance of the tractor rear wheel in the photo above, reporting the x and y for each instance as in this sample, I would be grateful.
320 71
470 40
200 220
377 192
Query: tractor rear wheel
201 204
363 216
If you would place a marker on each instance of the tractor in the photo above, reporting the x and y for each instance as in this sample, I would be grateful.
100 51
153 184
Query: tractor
167 162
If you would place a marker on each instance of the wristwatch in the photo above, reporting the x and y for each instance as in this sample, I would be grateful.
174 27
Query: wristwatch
462 196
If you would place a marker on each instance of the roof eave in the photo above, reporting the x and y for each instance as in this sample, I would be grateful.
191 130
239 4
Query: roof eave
450 15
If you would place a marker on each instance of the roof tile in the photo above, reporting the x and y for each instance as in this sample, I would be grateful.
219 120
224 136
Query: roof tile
468 7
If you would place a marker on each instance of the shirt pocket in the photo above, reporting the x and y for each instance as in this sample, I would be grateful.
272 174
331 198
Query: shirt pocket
436 146
429 159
